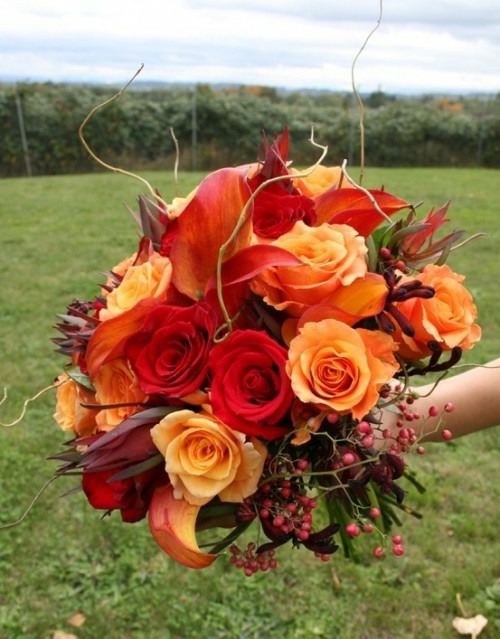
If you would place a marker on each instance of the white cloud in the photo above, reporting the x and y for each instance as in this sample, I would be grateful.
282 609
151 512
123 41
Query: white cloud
422 45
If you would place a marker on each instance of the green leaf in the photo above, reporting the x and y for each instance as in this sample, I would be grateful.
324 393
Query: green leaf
228 539
77 376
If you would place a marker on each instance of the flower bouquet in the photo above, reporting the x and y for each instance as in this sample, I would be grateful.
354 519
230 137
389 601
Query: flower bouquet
233 374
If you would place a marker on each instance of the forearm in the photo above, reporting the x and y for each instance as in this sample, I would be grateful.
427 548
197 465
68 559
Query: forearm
474 396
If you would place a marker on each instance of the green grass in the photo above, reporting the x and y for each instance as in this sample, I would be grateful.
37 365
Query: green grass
57 235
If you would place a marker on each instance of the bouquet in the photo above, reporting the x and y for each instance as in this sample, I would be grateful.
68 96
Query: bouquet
233 374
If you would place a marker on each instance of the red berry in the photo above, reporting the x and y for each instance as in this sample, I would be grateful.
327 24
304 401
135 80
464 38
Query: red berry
433 411
368 441
348 459
398 550
448 407
421 450
368 528
397 539
352 530
364 428
378 552
332 418
446 434
375 513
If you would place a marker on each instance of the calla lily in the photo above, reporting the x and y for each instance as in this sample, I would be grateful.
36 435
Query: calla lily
172 523
241 268
365 297
110 335
205 224
354 207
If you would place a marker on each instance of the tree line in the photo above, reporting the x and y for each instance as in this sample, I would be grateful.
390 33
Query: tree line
222 126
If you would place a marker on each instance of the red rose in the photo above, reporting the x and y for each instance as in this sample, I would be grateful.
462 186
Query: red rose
131 496
170 352
250 390
276 210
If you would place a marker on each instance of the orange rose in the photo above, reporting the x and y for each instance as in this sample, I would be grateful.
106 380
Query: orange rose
120 269
149 279
70 414
339 368
319 180
447 318
332 256
204 458
116 383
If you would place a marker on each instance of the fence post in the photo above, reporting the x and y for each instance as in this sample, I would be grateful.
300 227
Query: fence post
22 131
194 131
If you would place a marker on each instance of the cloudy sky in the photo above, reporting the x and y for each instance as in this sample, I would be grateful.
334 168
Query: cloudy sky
421 45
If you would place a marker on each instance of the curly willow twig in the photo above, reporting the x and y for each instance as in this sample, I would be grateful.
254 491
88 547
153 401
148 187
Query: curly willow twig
110 167
358 97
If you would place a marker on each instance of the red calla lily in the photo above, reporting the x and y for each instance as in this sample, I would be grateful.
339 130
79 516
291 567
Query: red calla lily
205 224
353 207
108 337
241 268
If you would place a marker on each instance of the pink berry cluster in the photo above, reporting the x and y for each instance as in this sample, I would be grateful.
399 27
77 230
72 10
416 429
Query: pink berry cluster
283 506
287 510
251 560
406 435
397 548
354 529
364 432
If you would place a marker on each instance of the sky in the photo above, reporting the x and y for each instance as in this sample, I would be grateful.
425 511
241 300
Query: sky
421 46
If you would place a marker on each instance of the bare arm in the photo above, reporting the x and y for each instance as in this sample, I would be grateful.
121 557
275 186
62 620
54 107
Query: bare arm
475 396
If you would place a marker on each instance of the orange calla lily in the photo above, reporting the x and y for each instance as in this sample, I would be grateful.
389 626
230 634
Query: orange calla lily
365 297
205 224
353 207
106 339
172 523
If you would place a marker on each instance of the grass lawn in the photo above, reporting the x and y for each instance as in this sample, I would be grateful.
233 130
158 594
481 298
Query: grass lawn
57 234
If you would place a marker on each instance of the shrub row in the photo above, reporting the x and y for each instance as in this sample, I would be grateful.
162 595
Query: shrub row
216 127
